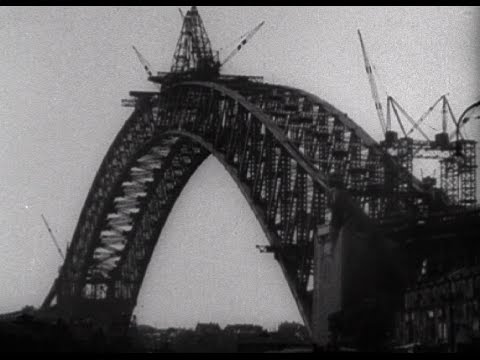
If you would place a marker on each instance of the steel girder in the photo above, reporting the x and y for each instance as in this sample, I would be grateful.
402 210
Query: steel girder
286 150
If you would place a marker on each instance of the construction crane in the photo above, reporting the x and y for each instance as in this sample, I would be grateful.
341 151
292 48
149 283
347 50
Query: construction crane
427 113
395 106
243 42
53 237
146 65
373 87
473 112
193 57
53 290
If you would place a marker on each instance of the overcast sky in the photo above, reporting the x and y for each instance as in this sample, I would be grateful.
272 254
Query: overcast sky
64 71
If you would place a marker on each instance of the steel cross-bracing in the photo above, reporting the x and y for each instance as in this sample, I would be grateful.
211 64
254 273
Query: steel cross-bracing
288 152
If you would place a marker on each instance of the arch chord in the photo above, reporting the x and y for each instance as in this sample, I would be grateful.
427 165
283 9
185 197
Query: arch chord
285 149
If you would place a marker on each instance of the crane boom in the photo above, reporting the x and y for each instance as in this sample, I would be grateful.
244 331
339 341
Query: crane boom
53 237
248 36
143 61
425 115
463 119
373 86
409 118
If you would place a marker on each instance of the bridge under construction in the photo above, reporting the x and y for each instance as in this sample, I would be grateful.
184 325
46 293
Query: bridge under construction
374 256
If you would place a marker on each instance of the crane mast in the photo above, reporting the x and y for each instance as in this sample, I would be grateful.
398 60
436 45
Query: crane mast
373 87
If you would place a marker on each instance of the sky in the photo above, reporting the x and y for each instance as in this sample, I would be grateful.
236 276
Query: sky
64 71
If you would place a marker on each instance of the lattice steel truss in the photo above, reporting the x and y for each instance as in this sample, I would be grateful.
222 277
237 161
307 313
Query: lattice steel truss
449 178
287 151
456 158
468 174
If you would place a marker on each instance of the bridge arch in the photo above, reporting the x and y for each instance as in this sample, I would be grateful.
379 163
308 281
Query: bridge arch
286 150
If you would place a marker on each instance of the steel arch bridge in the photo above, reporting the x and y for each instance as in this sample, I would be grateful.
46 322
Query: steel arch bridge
289 152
